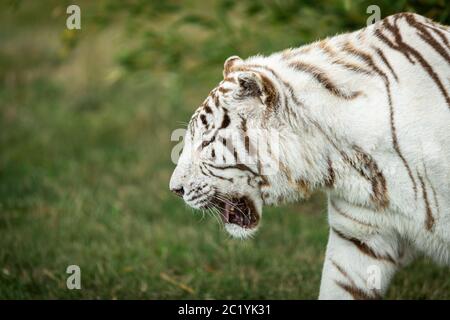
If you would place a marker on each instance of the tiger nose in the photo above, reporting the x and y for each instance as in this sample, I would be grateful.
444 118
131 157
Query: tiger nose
178 191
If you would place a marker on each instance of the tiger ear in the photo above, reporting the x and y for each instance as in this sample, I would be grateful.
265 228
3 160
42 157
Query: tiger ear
229 63
250 84
253 84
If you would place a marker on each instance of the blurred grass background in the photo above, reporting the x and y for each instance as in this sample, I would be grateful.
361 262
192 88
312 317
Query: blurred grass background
85 123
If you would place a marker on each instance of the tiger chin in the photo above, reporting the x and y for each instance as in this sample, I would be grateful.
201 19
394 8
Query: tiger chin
363 117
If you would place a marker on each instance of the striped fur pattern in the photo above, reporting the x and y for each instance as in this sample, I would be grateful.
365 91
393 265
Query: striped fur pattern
364 116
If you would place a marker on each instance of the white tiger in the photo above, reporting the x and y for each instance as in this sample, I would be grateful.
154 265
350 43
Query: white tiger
364 116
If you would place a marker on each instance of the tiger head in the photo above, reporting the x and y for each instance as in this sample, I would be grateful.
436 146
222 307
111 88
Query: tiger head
230 150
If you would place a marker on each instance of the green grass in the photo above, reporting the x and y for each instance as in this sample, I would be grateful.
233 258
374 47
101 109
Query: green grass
84 171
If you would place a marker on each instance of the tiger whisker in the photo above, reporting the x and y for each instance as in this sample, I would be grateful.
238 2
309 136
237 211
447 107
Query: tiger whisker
216 213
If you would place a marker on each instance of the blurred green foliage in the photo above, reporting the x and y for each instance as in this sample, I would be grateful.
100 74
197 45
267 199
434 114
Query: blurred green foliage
85 123
227 25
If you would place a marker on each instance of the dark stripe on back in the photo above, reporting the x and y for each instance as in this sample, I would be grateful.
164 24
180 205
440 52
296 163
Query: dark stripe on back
390 44
336 60
427 37
439 32
403 47
386 62
323 79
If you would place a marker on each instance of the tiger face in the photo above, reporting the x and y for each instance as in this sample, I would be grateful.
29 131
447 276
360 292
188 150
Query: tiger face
220 168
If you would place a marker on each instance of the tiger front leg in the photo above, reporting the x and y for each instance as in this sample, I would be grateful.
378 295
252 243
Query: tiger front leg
356 269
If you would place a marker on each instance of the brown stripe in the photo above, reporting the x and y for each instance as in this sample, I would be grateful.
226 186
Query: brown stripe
437 25
270 91
352 67
338 210
207 109
224 90
225 121
379 34
230 79
231 149
248 145
352 288
215 97
429 221
364 248
202 171
439 32
243 124
342 271
287 85
336 60
286 172
324 80
403 47
246 137
436 202
438 28
427 37
361 35
386 62
239 166
331 176
297 184
357 293
303 187
379 188
326 48
215 175
290 53
203 119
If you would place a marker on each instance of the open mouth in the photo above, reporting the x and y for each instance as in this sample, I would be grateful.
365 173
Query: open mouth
239 211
